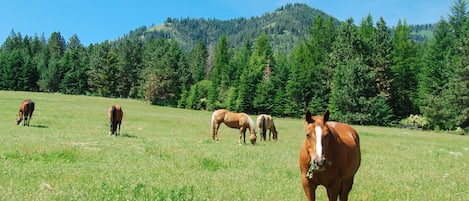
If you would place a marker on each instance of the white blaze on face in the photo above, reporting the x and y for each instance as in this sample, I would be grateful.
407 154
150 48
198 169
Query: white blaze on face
318 142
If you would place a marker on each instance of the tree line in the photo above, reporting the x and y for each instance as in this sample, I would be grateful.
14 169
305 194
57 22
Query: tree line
363 73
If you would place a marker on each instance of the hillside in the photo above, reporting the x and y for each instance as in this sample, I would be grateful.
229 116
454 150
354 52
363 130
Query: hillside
285 27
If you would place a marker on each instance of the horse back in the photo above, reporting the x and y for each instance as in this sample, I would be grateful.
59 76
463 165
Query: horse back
30 108
234 120
119 113
116 113
27 107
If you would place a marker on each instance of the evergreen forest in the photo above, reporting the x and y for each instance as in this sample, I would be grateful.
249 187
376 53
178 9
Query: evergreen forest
281 63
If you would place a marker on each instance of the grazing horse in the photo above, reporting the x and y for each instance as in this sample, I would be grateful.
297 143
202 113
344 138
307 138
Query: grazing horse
115 119
265 122
233 120
26 112
330 156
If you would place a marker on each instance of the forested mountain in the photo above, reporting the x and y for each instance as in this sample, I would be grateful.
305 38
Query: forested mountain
285 27
281 63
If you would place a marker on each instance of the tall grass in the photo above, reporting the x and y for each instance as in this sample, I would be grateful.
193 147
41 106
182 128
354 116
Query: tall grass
167 154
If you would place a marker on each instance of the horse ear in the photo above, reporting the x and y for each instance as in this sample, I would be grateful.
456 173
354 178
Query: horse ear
308 117
326 116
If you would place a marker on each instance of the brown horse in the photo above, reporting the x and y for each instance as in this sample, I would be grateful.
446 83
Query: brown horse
115 119
330 156
26 112
233 120
265 122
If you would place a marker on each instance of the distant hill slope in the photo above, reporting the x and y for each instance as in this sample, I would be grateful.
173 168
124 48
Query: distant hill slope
285 27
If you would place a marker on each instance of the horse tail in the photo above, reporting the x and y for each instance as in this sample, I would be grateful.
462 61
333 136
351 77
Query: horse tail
212 123
31 108
113 117
275 130
264 130
215 123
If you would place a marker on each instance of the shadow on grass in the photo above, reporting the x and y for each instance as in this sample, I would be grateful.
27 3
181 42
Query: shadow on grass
39 126
128 135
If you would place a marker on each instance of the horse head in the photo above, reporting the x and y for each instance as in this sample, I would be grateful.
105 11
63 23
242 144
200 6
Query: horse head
252 130
19 118
253 138
317 139
275 132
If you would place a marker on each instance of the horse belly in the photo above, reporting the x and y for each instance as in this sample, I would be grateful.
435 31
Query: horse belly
232 124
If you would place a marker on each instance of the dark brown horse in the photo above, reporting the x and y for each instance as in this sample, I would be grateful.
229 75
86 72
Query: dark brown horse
26 112
115 119
330 156
265 122
233 120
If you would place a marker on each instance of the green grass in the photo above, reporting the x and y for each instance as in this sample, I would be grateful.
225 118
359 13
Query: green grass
167 154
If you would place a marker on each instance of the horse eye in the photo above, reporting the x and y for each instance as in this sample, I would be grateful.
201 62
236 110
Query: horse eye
308 135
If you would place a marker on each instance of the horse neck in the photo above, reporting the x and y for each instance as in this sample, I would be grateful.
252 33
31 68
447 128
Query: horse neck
20 114
273 127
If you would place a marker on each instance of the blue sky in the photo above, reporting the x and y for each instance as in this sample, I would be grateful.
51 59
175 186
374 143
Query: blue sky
95 21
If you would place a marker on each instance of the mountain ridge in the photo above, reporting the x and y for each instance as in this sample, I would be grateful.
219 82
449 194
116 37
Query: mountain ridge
285 27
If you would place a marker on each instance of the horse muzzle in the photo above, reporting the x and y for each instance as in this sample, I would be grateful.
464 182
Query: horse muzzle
320 165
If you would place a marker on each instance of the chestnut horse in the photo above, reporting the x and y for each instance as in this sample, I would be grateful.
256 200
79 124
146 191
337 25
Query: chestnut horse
26 112
330 156
233 120
115 119
265 122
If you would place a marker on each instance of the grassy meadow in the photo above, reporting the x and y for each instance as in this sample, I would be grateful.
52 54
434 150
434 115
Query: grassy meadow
167 154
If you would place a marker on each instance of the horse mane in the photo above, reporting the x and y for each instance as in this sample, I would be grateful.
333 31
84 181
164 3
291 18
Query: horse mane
251 123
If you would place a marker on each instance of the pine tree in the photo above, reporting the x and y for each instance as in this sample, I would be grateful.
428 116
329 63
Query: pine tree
404 72
75 77
130 67
220 75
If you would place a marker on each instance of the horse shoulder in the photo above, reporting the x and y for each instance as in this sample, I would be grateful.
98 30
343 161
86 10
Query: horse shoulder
347 148
259 120
344 133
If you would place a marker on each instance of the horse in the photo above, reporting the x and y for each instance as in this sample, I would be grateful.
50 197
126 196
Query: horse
26 112
242 121
330 156
115 119
265 122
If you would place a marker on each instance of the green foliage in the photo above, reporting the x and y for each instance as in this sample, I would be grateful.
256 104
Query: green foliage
197 96
417 121
404 72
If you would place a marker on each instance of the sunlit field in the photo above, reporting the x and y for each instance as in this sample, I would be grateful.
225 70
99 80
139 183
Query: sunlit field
168 154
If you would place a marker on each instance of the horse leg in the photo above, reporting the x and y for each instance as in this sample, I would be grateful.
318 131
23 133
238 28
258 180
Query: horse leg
345 189
29 118
310 189
119 128
111 130
270 133
215 132
242 134
333 190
